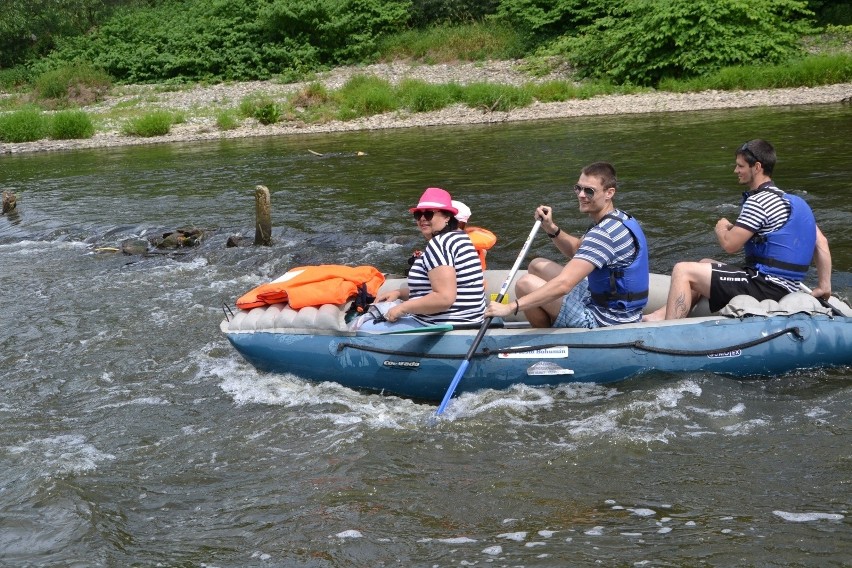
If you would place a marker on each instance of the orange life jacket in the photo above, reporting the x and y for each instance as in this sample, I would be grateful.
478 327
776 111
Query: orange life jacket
482 239
314 286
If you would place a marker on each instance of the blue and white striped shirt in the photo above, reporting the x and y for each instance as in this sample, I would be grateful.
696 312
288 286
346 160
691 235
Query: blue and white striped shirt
609 243
764 212
450 249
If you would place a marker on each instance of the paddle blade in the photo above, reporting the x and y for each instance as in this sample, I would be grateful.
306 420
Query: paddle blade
449 394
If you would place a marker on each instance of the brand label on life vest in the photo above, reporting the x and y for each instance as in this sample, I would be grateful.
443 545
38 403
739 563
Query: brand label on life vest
407 365
735 353
558 352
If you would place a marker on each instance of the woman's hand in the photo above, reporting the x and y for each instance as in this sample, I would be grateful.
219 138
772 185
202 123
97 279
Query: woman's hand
395 313
391 296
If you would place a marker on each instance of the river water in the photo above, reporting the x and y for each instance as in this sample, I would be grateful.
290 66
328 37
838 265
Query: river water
133 435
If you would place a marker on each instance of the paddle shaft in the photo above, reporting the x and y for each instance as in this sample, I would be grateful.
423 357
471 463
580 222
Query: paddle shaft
822 301
484 328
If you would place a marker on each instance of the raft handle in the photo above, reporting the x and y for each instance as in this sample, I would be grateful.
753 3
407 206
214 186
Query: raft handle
226 309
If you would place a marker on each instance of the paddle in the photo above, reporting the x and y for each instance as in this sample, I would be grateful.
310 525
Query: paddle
825 303
482 330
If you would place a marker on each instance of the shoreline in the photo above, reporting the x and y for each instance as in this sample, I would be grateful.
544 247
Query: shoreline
228 96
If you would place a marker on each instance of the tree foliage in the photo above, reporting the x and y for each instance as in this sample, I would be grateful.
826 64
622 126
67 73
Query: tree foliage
643 41
30 28
232 39
542 20
625 41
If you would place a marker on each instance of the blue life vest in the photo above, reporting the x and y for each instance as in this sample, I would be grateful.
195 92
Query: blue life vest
623 288
786 252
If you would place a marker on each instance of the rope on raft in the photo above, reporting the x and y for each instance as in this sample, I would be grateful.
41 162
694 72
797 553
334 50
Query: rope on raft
639 345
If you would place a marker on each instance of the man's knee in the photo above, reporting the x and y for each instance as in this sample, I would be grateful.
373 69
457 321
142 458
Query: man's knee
537 266
526 284
697 274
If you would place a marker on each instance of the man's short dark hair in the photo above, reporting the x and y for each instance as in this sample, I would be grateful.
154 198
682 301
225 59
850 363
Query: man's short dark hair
604 171
758 150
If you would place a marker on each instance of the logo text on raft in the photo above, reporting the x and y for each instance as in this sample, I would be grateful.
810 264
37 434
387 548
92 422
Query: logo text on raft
735 353
401 364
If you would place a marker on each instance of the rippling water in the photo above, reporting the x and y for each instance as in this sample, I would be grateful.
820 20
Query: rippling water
134 435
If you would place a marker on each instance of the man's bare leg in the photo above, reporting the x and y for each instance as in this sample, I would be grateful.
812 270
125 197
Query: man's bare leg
538 317
660 313
690 281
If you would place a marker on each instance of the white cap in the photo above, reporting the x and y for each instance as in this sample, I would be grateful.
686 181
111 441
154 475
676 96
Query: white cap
464 211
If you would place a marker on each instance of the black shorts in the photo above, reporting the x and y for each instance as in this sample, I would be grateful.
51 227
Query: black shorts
727 281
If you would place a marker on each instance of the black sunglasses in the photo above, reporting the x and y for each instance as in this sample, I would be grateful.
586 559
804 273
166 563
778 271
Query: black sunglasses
427 214
744 149
589 191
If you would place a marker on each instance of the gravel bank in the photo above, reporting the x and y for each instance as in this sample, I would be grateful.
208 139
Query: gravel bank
222 96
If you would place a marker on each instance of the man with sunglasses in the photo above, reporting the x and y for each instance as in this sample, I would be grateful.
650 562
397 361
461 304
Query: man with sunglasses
780 237
606 279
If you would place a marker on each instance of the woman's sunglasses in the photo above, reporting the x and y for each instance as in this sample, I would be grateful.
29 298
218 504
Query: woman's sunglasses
427 214
589 191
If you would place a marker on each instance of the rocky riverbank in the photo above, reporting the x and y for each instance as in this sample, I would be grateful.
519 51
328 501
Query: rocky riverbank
202 126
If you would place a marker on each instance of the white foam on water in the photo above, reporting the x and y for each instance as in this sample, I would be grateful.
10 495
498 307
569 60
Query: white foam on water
735 410
61 455
808 517
643 512
746 428
493 550
518 536
28 248
456 540
534 544
595 531
248 386
143 401
546 534
816 412
351 533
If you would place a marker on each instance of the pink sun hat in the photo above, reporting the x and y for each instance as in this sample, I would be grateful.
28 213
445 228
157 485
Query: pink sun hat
435 198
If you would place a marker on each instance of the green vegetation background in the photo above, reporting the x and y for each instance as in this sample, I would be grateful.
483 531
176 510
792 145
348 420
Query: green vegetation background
61 54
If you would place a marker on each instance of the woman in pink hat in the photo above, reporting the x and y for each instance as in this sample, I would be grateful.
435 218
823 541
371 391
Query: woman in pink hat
445 283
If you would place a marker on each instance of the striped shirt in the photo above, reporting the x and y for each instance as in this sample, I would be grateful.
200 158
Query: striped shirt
764 212
609 243
450 249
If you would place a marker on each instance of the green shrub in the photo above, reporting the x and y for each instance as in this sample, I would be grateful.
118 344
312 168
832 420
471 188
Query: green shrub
809 71
469 42
76 84
644 41
232 39
492 97
157 123
13 78
268 113
25 125
71 125
420 96
426 13
261 107
537 21
365 95
227 120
